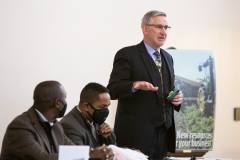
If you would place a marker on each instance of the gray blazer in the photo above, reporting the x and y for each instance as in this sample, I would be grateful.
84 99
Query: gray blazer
25 138
76 128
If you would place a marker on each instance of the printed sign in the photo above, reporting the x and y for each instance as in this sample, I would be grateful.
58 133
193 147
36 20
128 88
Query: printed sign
195 77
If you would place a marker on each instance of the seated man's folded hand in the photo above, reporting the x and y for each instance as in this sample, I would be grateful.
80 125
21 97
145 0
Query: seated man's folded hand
102 152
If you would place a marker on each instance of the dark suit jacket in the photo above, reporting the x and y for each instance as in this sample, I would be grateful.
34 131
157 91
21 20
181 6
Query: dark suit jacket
76 128
26 139
139 113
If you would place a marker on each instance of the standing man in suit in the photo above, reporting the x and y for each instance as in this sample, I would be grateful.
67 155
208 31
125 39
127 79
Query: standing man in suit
145 118
36 134
84 124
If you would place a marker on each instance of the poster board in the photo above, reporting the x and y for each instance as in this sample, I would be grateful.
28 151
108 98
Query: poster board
195 77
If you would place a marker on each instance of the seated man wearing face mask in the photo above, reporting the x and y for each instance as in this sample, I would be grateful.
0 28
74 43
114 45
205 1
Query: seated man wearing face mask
84 124
36 134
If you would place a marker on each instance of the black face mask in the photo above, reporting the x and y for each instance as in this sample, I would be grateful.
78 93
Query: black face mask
99 115
62 112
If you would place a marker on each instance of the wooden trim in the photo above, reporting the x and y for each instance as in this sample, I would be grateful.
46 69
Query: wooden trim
188 153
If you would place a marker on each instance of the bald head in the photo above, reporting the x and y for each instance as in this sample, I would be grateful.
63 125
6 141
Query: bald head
46 92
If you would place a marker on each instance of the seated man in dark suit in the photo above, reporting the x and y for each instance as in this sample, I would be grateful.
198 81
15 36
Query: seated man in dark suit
36 134
84 124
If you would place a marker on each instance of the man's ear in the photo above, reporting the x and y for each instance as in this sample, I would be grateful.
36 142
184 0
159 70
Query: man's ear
56 103
144 29
85 106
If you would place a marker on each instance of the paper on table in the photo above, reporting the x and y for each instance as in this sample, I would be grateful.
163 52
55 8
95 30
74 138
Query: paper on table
198 158
73 152
176 158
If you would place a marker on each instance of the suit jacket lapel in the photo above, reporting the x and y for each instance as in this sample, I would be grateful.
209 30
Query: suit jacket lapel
147 62
78 117
168 66
56 137
39 128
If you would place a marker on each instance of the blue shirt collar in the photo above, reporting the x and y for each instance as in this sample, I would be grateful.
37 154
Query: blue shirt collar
151 50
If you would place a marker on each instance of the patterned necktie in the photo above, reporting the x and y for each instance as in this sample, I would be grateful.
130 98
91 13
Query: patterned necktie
158 63
93 130
158 60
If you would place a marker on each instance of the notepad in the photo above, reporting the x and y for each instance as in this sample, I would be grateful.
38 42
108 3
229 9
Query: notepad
67 152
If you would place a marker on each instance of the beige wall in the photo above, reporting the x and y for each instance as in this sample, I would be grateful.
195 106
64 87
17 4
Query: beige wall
74 42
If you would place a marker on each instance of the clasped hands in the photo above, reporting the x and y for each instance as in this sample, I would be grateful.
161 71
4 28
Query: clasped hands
102 152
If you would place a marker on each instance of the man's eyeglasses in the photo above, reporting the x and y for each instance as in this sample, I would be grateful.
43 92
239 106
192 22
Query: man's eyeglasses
159 26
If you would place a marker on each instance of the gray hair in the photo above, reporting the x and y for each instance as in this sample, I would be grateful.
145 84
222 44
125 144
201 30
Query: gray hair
149 15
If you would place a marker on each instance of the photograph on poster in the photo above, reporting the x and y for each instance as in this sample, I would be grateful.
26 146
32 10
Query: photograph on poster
195 77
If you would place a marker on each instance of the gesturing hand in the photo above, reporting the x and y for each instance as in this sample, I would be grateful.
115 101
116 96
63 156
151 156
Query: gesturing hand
143 85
